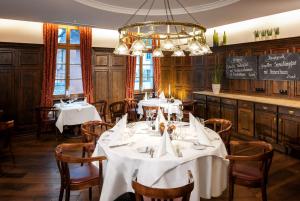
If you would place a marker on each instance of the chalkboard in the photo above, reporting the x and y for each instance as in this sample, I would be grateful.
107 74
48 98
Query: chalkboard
279 67
241 67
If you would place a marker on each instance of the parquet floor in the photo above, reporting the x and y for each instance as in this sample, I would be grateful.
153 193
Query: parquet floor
35 176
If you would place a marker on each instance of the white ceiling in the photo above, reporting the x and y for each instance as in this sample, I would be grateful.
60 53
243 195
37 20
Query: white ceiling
111 14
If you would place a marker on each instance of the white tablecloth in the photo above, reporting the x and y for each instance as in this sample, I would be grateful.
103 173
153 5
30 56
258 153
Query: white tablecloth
173 107
75 113
208 166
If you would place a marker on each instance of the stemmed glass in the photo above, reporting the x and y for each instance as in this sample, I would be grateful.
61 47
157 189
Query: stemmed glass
179 116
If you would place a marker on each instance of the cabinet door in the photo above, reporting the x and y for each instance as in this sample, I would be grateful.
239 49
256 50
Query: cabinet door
289 130
200 109
213 110
245 121
229 112
266 126
101 90
28 88
7 98
117 85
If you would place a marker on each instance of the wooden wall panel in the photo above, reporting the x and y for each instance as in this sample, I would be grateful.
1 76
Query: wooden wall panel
117 85
101 89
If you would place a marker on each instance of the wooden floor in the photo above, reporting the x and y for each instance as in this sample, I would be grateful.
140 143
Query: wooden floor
35 176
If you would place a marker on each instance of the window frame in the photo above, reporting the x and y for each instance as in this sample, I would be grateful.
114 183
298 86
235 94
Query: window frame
141 75
68 47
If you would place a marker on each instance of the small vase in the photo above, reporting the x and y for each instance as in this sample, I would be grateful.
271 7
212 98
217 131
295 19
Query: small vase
216 88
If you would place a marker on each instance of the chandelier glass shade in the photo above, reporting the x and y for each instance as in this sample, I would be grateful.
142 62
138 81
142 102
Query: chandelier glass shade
181 38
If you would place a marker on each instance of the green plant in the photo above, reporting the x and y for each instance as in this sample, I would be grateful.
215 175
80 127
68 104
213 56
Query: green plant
256 33
263 33
269 32
217 74
276 31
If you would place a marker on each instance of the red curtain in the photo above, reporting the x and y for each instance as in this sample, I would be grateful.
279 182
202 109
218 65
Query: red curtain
86 62
156 64
50 37
130 73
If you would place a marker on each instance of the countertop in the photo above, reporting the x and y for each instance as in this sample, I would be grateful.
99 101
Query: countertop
258 99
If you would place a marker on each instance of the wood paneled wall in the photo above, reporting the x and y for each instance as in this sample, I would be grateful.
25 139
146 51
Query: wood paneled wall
190 74
109 75
20 81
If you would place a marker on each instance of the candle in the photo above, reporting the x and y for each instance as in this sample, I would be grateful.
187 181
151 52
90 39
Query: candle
169 90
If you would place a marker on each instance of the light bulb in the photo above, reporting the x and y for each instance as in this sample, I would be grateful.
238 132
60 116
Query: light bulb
138 45
194 45
168 45
178 53
121 48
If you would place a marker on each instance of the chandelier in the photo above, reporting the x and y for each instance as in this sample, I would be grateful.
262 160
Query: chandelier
180 38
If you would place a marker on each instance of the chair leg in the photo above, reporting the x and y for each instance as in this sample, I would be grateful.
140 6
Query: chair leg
90 194
264 193
61 193
83 154
67 194
231 190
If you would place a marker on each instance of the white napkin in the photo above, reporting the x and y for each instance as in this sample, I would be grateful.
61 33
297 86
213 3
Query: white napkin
202 134
165 146
159 119
192 120
162 95
119 129
85 100
146 96
62 103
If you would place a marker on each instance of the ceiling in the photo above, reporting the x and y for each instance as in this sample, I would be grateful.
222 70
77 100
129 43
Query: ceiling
111 14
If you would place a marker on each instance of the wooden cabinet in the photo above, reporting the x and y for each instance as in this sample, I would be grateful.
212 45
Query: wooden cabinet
245 118
200 106
289 127
266 122
229 111
213 107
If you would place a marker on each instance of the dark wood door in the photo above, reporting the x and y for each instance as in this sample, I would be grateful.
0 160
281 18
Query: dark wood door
7 98
229 112
266 126
289 131
245 118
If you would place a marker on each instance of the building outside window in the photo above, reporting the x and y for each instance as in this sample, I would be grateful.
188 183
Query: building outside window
144 73
68 79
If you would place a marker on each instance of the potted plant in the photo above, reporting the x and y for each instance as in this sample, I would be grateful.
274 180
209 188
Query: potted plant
216 79
256 35
276 31
263 34
269 33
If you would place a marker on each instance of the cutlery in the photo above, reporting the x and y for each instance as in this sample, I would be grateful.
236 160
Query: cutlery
119 145
205 145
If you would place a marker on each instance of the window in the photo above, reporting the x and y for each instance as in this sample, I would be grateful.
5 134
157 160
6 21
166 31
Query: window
144 72
68 64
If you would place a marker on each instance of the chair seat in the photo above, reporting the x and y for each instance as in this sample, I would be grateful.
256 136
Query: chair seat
246 172
83 173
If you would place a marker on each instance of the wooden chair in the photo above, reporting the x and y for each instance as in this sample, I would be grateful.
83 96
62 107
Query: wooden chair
6 129
91 132
149 108
223 127
101 107
131 106
188 107
46 118
248 175
158 194
76 177
117 110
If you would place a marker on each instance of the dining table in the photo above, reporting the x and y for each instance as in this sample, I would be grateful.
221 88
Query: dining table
206 162
75 113
165 104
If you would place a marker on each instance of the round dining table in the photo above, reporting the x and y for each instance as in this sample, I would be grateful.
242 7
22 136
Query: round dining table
207 163
168 107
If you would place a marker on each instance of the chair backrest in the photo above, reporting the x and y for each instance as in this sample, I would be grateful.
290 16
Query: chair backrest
63 160
264 158
160 194
7 125
92 130
223 127
131 106
101 106
44 113
117 109
188 106
149 108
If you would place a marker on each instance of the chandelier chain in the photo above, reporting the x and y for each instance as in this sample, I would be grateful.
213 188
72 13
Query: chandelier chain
149 10
134 14
178 1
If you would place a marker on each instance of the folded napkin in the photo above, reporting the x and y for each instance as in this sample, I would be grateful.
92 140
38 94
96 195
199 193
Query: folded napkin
119 130
146 96
162 95
202 134
165 146
159 119
85 100
192 121
62 103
